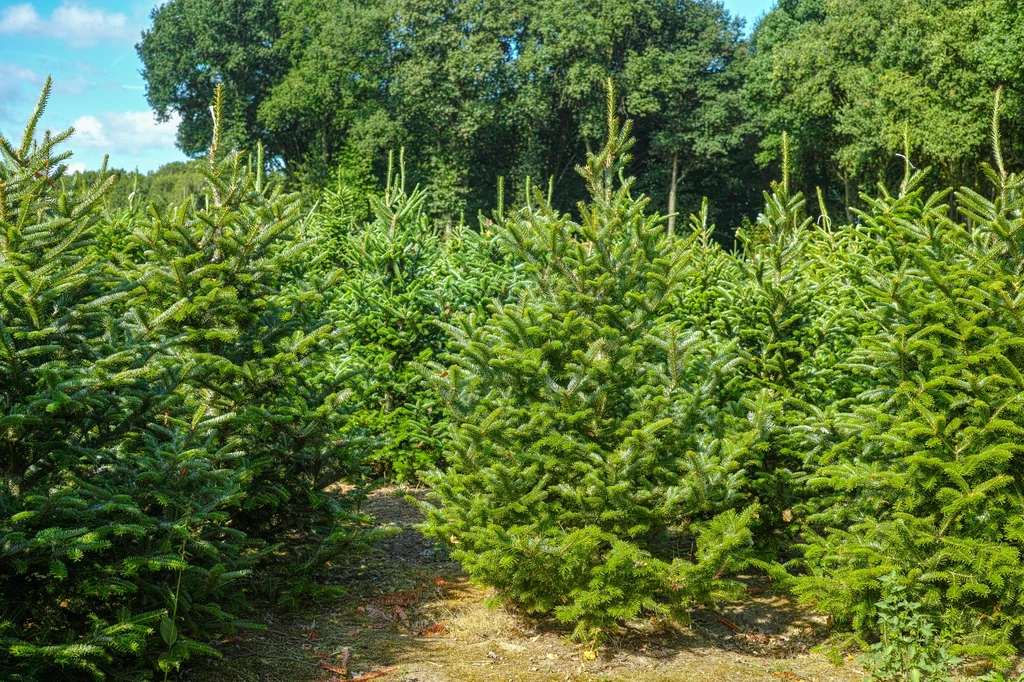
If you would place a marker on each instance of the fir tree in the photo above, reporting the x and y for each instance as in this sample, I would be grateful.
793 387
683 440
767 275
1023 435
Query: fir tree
402 278
247 301
114 491
790 302
930 472
588 431
166 422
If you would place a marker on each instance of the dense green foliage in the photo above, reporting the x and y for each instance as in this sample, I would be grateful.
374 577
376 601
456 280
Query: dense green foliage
930 450
172 184
206 44
476 91
473 91
402 281
170 415
848 78
906 648
589 422
615 412
859 386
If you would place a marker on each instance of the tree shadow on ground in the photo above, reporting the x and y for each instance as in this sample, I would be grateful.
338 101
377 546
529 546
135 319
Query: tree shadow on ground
409 613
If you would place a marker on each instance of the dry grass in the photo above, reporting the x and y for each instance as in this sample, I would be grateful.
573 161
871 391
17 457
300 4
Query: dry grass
411 611
467 620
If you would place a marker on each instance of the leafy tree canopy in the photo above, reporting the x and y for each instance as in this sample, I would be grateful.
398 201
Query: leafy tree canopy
849 78
472 91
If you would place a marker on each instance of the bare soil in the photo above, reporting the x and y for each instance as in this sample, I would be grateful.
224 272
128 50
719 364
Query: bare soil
410 614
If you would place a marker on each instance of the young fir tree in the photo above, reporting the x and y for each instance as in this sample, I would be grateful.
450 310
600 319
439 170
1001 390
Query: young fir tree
390 297
401 279
790 302
587 426
248 301
930 476
115 541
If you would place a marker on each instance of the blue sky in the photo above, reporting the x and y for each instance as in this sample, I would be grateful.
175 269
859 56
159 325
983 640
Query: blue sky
89 49
749 9
88 46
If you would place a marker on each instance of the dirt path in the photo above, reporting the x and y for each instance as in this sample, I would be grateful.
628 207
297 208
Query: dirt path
411 615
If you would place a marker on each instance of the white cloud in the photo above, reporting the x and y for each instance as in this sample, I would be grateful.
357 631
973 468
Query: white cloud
89 133
77 167
9 72
12 93
71 23
126 132
19 18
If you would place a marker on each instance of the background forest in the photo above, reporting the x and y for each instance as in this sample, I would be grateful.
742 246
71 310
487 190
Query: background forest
478 91
758 309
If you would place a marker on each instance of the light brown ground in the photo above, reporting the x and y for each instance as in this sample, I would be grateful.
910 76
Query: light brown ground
411 614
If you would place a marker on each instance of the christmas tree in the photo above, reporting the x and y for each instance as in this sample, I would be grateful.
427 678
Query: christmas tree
402 280
170 415
589 437
926 482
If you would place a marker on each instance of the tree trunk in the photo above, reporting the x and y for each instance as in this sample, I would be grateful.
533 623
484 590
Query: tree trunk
846 190
672 195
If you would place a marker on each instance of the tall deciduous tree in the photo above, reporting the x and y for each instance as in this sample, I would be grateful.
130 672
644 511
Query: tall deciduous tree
193 46
327 106
684 92
473 91
849 78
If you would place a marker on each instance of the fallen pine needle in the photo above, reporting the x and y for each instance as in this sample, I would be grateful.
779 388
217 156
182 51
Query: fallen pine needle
728 623
334 669
374 675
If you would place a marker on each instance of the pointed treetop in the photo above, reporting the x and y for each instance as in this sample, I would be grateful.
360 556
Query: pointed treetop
997 151
613 121
785 162
217 112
